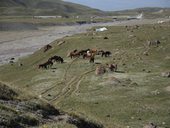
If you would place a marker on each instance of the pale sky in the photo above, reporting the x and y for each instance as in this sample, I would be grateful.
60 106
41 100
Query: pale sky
112 5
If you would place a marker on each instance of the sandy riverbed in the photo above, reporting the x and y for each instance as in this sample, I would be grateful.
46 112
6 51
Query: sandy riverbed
21 43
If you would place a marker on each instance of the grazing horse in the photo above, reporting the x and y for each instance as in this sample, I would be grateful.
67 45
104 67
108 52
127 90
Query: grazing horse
112 67
46 65
73 54
106 53
89 56
82 52
47 47
42 66
56 59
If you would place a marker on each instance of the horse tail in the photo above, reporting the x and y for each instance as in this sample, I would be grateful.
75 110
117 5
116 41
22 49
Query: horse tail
69 54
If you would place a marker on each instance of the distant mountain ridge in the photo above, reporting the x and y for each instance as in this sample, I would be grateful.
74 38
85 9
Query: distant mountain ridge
44 7
149 12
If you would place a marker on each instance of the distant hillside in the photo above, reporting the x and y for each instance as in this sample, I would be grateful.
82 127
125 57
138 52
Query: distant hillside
44 7
149 12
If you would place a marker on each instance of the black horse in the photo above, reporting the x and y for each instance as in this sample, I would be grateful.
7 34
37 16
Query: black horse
106 53
57 59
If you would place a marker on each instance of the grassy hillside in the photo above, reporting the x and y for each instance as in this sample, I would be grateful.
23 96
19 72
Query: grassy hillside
131 97
20 109
44 7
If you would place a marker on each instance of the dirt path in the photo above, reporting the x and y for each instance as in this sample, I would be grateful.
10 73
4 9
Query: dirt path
21 43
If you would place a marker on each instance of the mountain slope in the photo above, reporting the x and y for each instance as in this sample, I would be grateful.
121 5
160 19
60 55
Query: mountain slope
149 12
44 7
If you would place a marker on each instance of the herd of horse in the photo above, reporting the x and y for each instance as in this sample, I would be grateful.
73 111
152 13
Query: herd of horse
85 54
88 54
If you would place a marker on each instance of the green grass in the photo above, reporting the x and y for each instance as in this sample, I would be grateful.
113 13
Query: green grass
141 96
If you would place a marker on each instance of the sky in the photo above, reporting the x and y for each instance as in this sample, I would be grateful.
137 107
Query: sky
113 5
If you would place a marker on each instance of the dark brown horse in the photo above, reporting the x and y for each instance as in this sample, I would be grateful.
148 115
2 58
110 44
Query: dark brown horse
46 65
56 59
47 47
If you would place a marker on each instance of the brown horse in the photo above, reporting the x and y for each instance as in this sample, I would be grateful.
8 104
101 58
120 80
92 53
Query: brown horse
89 56
73 54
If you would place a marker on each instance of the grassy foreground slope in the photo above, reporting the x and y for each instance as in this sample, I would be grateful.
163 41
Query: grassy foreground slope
132 97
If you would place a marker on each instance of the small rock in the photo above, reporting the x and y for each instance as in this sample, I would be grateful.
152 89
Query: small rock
143 70
139 119
148 71
163 123
106 38
151 125
100 70
49 94
134 84
165 74
146 54
107 115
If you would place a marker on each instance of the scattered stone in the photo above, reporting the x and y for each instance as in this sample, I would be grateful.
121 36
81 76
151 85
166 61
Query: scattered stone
148 71
134 84
12 58
143 70
107 115
139 119
166 74
100 70
49 94
20 64
163 123
146 53
151 125
106 38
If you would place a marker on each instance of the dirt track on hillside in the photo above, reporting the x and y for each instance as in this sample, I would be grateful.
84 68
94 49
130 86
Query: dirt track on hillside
21 43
